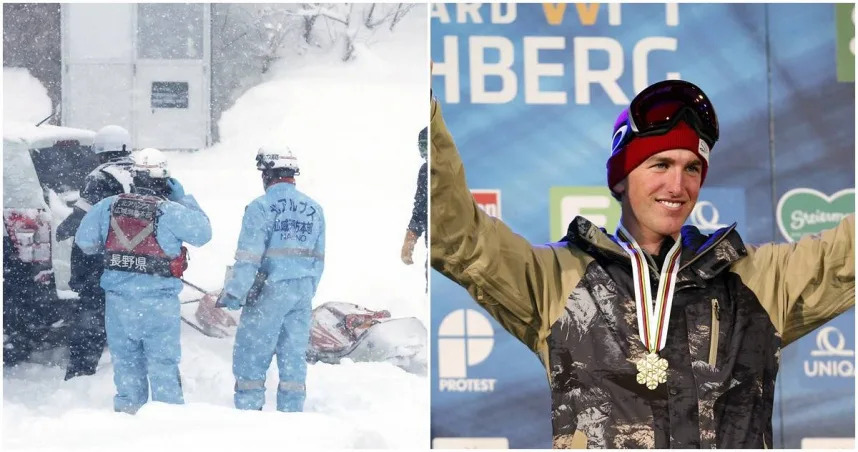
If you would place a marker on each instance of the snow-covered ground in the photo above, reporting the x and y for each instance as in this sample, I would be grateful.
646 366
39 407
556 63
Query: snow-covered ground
354 128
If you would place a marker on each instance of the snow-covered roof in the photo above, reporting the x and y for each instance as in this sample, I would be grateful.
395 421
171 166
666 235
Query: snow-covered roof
45 135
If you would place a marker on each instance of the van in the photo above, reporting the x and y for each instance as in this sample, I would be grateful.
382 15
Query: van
43 170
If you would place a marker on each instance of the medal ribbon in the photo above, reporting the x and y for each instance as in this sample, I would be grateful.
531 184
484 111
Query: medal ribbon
652 326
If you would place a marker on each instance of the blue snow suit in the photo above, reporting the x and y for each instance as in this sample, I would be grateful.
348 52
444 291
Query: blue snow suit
283 236
142 310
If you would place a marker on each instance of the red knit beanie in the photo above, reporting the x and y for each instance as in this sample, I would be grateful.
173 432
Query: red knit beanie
626 158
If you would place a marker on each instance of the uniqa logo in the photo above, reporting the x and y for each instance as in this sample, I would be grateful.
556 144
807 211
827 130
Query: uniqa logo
826 348
704 222
803 211
465 339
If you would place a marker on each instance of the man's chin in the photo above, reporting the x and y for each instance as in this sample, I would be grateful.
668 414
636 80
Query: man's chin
670 228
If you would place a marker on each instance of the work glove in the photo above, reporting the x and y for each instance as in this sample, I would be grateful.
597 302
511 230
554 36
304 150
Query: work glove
177 192
408 247
228 301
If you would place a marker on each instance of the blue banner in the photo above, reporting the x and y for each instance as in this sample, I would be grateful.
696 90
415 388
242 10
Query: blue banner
530 93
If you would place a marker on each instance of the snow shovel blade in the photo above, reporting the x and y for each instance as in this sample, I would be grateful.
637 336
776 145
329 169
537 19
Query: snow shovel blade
214 319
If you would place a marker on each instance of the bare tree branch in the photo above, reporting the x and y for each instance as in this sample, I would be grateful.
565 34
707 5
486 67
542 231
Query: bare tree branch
401 11
368 19
309 21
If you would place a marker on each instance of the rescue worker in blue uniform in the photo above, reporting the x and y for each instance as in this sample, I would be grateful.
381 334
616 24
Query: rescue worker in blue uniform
86 339
278 264
140 236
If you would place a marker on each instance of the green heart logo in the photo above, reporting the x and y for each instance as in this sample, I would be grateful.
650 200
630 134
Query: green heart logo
804 211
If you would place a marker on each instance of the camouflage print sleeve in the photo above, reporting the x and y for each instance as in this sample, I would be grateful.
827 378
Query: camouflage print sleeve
803 284
523 287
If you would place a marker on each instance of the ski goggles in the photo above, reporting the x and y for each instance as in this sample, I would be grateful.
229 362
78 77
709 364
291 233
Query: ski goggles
658 108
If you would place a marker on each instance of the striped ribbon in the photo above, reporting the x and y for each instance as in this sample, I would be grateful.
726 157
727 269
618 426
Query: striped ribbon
653 317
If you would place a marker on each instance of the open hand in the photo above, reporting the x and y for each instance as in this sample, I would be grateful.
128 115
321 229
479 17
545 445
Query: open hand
408 247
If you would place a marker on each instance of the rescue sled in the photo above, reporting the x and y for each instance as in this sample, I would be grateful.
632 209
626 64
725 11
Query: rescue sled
339 331
345 330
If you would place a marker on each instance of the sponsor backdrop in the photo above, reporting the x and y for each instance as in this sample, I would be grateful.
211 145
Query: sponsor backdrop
530 93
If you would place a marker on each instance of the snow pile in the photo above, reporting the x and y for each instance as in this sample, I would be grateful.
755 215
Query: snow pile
350 405
24 96
354 128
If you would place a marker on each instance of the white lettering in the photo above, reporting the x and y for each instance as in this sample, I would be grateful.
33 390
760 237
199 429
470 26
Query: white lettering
584 76
500 13
800 219
439 11
533 69
572 206
830 368
449 69
491 209
640 56
467 384
614 14
846 368
503 69
463 10
501 17
671 14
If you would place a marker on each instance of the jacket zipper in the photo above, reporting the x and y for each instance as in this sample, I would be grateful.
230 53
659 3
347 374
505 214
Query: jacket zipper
714 329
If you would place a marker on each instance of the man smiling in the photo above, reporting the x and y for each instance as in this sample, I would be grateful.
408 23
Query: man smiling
657 336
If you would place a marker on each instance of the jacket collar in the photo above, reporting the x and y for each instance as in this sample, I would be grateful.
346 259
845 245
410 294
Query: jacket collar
702 257
280 186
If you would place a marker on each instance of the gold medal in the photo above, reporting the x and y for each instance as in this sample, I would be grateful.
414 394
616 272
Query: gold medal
653 315
652 370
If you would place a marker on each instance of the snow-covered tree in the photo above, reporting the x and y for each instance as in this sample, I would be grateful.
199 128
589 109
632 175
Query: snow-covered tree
249 38
31 32
350 22
264 32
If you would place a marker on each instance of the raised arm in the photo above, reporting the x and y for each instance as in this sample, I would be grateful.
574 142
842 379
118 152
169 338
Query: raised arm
524 287
804 284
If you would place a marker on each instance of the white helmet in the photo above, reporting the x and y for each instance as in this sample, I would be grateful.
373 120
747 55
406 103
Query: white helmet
276 157
111 139
151 162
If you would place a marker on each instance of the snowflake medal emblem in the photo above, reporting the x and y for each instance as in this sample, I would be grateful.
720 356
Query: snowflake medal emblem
652 370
